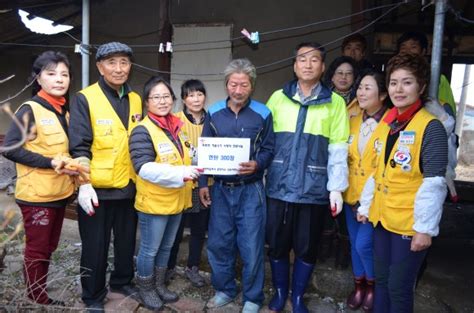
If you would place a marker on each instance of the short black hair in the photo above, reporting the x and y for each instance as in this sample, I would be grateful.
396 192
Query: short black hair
378 76
309 44
44 61
152 82
191 85
414 35
357 37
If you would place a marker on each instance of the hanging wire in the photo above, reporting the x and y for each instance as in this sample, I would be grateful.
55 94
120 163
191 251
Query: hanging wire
19 92
458 16
234 38
74 38
45 5
278 30
86 48
34 45
281 60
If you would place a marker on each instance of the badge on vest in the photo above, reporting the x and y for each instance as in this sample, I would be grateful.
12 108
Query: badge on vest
47 121
104 122
136 118
165 148
378 145
403 158
407 137
184 136
351 138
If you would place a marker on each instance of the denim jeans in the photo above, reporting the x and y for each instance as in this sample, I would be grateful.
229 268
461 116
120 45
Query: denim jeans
157 234
237 223
198 224
362 240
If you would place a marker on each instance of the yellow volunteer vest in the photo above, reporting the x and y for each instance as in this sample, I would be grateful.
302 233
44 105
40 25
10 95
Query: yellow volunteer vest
110 166
361 166
152 198
44 184
353 108
397 182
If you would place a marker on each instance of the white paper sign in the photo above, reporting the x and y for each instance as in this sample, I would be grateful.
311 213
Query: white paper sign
221 156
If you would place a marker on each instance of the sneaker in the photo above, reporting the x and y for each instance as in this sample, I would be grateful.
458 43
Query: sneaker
194 277
219 300
95 308
250 307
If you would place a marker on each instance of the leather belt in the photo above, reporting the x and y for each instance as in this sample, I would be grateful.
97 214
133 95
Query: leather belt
237 183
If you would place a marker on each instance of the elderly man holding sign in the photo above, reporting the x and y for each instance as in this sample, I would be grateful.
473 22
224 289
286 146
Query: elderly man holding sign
238 209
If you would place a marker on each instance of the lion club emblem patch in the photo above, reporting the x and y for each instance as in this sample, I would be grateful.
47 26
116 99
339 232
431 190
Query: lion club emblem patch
136 118
402 157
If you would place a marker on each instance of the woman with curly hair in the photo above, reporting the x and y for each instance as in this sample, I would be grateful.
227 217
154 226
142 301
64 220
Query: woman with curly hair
404 198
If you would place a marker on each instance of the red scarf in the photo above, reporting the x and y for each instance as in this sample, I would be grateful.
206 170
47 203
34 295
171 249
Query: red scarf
399 121
56 102
405 116
169 122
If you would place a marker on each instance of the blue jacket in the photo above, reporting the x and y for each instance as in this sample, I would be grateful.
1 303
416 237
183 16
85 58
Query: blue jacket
303 135
253 121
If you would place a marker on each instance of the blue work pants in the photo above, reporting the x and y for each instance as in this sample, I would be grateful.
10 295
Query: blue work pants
396 269
237 224
362 240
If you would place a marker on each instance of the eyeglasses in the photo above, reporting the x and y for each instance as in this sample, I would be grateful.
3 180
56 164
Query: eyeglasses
158 98
342 74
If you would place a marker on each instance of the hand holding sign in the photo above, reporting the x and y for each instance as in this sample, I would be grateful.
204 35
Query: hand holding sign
247 168
191 173
225 156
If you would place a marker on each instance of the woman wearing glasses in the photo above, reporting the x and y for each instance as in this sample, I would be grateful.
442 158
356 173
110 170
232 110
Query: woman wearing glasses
340 77
160 154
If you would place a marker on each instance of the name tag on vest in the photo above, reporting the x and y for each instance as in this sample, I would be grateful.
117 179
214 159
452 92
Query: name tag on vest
47 121
407 137
165 148
104 122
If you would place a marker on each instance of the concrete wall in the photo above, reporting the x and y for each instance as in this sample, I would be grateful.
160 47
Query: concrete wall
126 21
266 15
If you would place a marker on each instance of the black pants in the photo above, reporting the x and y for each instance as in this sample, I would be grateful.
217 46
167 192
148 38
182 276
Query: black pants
338 224
294 226
120 217
198 223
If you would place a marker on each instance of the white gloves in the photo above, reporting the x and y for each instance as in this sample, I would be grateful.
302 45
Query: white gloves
338 172
335 199
168 176
86 197
366 197
191 173
428 209
450 176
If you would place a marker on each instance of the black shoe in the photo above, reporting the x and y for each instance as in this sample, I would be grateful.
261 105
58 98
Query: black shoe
95 308
127 290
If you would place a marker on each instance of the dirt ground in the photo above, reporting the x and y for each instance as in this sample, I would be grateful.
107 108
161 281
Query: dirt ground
446 286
